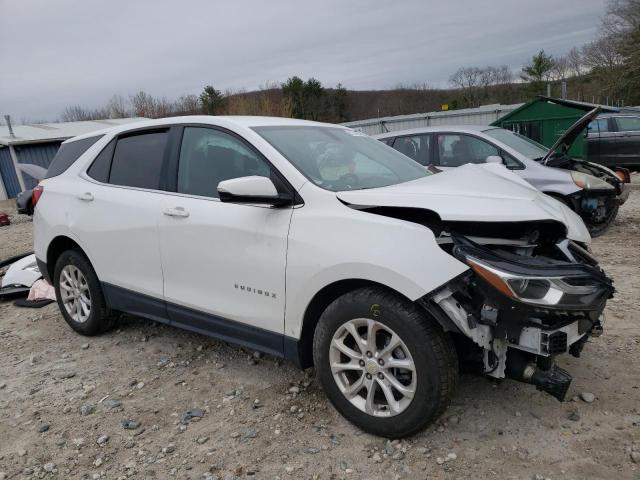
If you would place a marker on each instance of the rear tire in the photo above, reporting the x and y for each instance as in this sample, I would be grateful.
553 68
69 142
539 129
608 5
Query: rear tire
80 296
369 384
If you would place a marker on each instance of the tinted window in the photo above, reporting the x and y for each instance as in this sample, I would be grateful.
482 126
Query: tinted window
417 147
339 159
68 153
137 160
456 150
99 169
628 124
598 126
208 157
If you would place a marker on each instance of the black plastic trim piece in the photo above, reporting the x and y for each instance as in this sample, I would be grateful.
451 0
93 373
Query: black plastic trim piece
135 303
248 336
42 266
227 330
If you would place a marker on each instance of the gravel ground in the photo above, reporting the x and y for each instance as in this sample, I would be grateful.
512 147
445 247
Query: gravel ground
119 405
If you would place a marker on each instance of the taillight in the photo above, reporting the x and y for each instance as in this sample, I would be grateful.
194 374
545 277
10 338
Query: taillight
36 194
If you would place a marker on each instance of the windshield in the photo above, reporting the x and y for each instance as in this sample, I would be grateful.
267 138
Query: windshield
523 145
338 159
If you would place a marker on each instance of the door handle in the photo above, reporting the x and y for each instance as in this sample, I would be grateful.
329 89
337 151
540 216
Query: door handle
86 197
176 212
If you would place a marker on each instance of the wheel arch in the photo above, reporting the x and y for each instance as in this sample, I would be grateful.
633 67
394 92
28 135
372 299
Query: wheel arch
318 304
56 247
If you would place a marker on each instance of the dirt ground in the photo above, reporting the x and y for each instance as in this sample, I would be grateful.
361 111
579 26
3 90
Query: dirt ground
65 398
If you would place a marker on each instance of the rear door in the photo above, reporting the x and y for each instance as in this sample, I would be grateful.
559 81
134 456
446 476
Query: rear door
223 263
628 141
116 213
602 142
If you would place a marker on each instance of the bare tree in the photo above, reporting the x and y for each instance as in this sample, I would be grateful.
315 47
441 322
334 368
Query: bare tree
575 62
76 113
187 105
560 69
469 80
143 104
118 107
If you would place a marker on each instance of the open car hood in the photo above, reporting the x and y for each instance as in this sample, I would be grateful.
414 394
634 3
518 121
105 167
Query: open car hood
571 134
482 193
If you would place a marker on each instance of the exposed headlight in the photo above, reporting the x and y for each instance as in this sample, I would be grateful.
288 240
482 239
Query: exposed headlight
558 292
589 182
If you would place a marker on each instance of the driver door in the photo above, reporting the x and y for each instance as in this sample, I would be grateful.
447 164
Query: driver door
223 263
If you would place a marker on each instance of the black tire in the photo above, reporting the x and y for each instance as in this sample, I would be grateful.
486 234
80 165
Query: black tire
432 350
101 318
597 229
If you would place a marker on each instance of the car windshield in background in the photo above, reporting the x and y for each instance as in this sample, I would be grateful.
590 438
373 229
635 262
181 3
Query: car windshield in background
523 145
338 159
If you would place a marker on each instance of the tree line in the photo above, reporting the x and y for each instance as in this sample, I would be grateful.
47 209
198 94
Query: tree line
606 70
295 98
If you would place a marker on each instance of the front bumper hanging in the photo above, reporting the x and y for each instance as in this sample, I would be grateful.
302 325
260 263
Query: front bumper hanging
524 310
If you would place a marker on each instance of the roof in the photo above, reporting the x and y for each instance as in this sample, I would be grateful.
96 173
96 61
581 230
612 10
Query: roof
437 128
494 107
49 132
583 106
216 120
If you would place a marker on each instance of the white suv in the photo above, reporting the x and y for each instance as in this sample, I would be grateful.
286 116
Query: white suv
317 243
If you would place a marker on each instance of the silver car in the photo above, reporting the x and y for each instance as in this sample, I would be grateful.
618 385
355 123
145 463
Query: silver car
594 198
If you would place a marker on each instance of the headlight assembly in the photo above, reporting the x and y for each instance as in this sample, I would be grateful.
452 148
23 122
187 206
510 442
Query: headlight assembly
589 182
552 292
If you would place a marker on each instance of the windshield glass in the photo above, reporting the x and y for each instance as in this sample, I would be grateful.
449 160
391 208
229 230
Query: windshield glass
338 159
523 145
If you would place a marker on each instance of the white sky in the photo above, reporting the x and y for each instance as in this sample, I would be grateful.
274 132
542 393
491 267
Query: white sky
55 53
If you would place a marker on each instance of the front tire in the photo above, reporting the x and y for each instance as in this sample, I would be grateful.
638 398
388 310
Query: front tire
384 363
80 296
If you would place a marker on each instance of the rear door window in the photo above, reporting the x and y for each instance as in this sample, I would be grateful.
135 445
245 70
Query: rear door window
628 124
68 153
456 150
138 158
417 147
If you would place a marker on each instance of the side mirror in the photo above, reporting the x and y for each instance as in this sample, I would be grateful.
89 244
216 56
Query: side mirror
494 159
254 190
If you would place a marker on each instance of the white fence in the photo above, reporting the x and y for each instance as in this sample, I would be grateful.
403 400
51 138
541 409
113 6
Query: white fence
484 115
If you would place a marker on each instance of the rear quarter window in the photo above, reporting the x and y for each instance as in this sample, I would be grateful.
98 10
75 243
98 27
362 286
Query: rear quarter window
68 153
99 169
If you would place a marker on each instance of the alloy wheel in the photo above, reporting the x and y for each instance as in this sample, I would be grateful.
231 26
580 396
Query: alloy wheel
75 294
372 367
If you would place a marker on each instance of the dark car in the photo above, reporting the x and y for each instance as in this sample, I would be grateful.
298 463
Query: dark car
24 200
614 140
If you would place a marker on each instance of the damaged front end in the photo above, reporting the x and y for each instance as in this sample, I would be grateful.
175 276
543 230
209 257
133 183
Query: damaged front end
526 299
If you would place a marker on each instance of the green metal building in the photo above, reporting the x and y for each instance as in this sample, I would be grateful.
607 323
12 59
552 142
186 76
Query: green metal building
545 119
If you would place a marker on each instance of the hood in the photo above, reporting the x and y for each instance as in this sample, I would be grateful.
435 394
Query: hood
483 193
571 134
